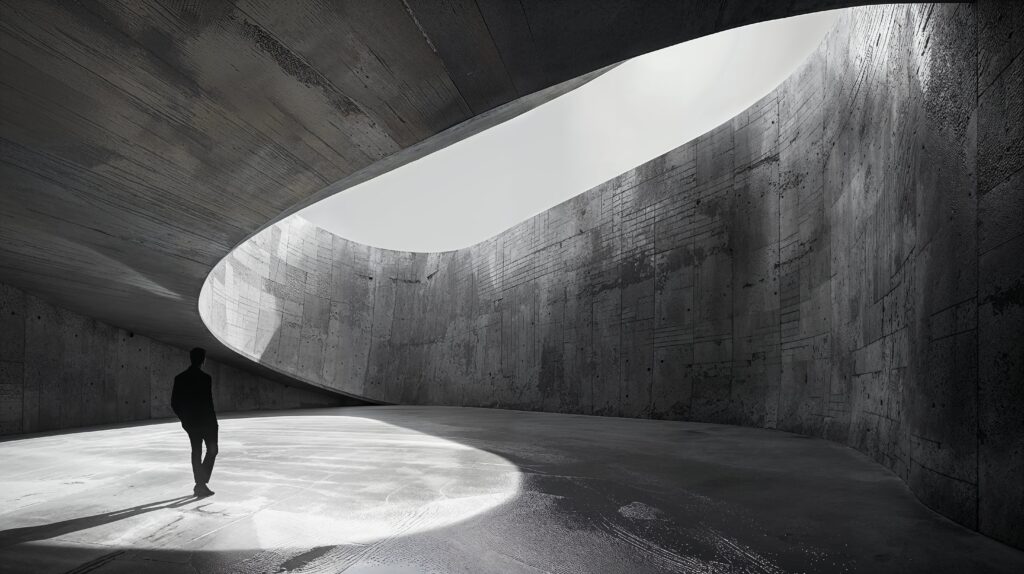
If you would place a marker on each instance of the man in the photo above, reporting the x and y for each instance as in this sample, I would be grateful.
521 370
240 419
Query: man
192 401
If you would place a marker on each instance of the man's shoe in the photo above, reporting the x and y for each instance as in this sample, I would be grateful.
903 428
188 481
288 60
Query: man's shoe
201 491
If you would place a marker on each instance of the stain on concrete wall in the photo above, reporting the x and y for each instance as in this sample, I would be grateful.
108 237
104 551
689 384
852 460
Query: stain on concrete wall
60 369
842 260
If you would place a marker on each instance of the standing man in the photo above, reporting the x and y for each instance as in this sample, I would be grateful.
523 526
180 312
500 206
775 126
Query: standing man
192 401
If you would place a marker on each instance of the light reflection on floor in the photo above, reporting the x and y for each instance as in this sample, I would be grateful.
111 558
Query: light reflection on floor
286 481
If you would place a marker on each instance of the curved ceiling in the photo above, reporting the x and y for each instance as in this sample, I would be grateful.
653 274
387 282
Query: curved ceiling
486 183
140 141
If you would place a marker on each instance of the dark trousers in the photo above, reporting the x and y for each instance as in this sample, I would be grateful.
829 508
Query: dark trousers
197 435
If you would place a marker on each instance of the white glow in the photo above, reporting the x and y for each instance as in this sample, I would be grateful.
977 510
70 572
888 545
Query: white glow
281 481
483 185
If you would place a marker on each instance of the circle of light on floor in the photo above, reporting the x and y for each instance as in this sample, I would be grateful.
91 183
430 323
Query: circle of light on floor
281 481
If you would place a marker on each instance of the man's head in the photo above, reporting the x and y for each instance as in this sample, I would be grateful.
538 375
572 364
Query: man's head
197 356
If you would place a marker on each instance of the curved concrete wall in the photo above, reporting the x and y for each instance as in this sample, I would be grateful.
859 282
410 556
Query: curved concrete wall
841 260
60 369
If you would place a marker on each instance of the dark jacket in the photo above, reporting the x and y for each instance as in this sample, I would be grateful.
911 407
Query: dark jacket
192 398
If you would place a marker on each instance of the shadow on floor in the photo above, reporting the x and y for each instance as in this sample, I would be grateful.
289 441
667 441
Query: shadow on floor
14 536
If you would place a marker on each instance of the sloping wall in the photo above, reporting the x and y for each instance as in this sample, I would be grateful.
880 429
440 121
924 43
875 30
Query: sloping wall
841 260
59 369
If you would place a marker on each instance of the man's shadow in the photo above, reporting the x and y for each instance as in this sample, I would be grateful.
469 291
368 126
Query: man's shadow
45 531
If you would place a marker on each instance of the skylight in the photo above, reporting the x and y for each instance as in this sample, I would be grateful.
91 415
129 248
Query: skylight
487 183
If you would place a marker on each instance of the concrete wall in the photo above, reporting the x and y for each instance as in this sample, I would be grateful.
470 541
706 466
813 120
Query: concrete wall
141 140
841 260
59 369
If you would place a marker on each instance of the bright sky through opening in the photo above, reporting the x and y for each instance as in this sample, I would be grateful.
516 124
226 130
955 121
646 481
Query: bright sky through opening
477 188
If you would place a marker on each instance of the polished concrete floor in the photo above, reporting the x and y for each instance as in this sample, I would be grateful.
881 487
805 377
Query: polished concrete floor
414 490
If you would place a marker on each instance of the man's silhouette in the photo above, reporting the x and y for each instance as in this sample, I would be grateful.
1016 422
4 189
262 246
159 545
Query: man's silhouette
192 401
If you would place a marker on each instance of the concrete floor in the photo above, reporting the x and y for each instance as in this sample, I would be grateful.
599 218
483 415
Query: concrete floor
432 489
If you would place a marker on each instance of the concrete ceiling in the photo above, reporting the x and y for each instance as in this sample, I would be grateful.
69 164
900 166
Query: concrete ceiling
140 140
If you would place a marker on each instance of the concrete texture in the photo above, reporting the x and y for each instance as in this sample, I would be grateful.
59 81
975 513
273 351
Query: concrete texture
1000 300
840 260
416 490
59 369
141 140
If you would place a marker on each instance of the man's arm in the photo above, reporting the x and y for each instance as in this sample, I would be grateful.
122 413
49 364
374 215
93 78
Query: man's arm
176 399
208 387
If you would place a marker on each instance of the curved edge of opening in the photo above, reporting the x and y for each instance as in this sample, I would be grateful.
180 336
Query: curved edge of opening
258 336
212 305
492 180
